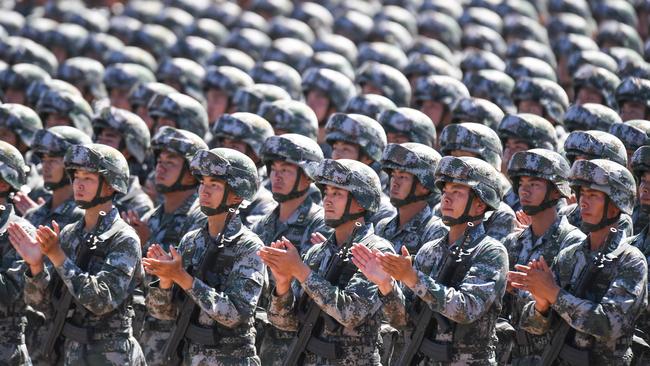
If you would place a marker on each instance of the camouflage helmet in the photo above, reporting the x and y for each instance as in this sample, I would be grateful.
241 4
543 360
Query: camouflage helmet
536 131
328 60
548 93
353 25
126 76
430 46
590 116
208 29
19 76
599 79
606 176
484 38
56 141
236 169
188 73
565 23
231 57
13 169
493 85
595 145
277 73
131 55
477 110
414 158
424 65
371 105
134 130
633 89
123 26
619 34
519 27
245 127
317 16
272 7
475 60
382 53
413 124
67 104
577 59
249 40
530 67
154 38
530 48
358 179
185 111
226 78
474 138
37 89
104 160
16 50
250 98
439 88
332 83
289 51
290 28
475 173
295 149
543 164
290 116
174 19
20 120
85 73
338 44
70 37
143 93
641 161
634 133
357 129
177 141
568 43
392 83
440 26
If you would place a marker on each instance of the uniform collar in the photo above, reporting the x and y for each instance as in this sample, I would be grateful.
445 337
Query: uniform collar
233 231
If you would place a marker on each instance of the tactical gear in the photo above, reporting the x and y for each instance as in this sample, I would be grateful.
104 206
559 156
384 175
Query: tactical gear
599 79
145 92
277 73
85 73
291 116
210 30
590 116
595 145
135 134
38 88
371 105
181 142
67 104
185 111
416 159
392 83
413 124
245 127
633 89
493 85
13 169
353 25
477 110
329 60
335 85
536 131
634 133
250 98
439 88
55 141
20 120
548 93
126 76
474 138
359 130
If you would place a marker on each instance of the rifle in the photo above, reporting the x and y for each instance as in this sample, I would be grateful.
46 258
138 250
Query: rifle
312 319
426 320
557 348
188 309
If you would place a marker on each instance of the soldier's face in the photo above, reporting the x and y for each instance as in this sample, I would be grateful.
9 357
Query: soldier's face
633 110
345 150
143 112
8 136
334 202
532 191
511 147
644 189
283 177
12 95
435 111
119 98
53 168
592 206
168 168
217 103
454 199
370 88
530 106
396 138
56 119
110 137
319 102
400 184
85 184
211 192
588 95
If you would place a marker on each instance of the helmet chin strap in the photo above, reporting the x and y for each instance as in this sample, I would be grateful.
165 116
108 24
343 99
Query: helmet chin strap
464 217
177 186
222 207
97 200
645 209
294 193
410 198
347 216
604 221
53 186
546 202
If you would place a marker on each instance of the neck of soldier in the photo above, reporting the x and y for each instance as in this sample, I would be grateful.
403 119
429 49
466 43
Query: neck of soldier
344 230
60 195
174 200
287 208
542 221
597 238
91 217
457 231
216 224
409 211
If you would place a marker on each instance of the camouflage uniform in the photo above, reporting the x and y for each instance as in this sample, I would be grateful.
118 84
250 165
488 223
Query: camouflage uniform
227 297
472 302
605 317
352 303
185 111
524 246
105 289
67 104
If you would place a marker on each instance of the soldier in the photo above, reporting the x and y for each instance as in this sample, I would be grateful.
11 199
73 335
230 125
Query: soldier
169 221
524 131
184 75
540 178
121 78
542 97
632 96
179 111
126 132
382 79
290 116
219 86
408 125
371 105
351 193
143 94
597 287
590 116
465 304
226 290
15 79
361 138
437 96
246 133
62 108
592 84
477 110
98 330
87 75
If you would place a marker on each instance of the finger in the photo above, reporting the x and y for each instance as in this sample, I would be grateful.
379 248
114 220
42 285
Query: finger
40 201
56 228
522 268
405 251
359 263
544 265
519 286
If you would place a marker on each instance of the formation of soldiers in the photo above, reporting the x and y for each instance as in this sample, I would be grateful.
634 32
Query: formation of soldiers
276 182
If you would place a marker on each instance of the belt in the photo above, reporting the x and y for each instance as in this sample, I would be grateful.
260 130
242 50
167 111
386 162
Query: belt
87 335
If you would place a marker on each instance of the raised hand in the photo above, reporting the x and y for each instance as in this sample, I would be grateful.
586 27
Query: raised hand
48 241
283 259
168 267
400 267
26 246
523 221
317 238
141 227
366 260
23 203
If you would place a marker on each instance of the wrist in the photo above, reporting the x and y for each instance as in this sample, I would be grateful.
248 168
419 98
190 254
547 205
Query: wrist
165 283
282 288
56 256
386 287
542 307
184 280
302 272
411 279
35 269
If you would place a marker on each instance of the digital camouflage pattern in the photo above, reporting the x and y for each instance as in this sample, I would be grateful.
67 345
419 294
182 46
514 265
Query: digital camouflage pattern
127 76
245 127
135 199
252 211
250 98
599 79
178 141
64 214
633 89
186 112
382 52
355 177
277 73
104 292
145 92
410 157
354 304
295 149
357 129
548 93
608 177
595 145
85 73
13 169
475 59
235 168
133 129
634 134
420 65
101 159
541 163
188 73
480 176
411 123
473 138
371 105
477 110
439 88
530 67
534 130
392 83
227 296
67 104
56 140
493 85
590 116
19 76
20 120
424 227
471 303
290 116
604 320
339 88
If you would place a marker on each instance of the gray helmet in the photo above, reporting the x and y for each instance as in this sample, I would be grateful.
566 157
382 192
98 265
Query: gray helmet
423 65
613 179
430 46
440 26
357 129
329 60
17 50
123 26
37 89
338 44
208 29
413 124
530 48
187 72
242 126
67 104
475 60
177 141
569 43
382 53
13 169
530 67
226 78
231 57
289 51
543 164
371 105
578 59
153 38
85 73
104 160
174 19
143 93
131 55
56 141
565 23
249 40
317 16
20 120
126 76
283 27
277 73
477 110
633 89
493 85
484 38
441 89
641 161
19 76
599 79
474 138
187 112
590 116
536 131
67 36
291 116
634 133
417 159
354 25
520 27
392 83
548 93
612 32
595 145
295 149
250 98
332 83
133 129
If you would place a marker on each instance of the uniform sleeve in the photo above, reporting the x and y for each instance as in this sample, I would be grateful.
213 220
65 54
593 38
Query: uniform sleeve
237 303
501 223
533 321
281 311
12 280
394 307
106 290
160 302
483 284
37 290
